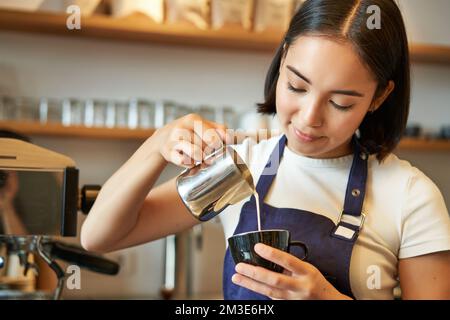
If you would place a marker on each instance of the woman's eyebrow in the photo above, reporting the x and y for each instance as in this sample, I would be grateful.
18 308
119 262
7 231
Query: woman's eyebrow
352 93
298 74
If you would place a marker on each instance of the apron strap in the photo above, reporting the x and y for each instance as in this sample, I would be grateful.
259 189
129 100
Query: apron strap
271 168
354 196
356 186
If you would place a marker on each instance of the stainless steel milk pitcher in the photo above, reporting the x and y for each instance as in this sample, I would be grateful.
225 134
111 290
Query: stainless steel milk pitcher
210 186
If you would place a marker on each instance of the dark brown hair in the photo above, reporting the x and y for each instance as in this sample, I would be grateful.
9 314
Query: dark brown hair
384 51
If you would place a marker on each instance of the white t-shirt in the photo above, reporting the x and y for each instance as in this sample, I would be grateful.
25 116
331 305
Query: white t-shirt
405 212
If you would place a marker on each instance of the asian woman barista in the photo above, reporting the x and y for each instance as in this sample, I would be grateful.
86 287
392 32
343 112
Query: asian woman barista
341 91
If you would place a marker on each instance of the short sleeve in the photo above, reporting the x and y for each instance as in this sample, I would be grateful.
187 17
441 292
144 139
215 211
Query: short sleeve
425 220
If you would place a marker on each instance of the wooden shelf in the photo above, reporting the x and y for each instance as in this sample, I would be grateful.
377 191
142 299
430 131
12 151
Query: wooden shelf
29 128
138 28
436 54
142 29
57 130
424 144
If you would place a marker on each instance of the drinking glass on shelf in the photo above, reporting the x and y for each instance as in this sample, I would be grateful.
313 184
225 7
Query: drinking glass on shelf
100 110
229 117
27 108
146 114
74 112
110 120
8 110
183 110
206 112
121 109
170 111
226 116
50 110
133 114
95 113
165 112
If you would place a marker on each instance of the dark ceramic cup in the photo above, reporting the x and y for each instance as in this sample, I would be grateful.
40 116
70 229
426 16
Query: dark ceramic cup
242 247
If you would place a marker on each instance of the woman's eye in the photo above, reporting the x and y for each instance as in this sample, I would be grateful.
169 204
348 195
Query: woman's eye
340 107
293 89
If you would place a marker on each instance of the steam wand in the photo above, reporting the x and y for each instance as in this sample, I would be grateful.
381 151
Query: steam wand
54 266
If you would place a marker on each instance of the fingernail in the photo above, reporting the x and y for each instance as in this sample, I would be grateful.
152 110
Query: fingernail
238 267
259 247
235 278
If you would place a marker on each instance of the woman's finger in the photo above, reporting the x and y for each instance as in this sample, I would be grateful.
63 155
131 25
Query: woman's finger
207 134
190 153
268 277
211 135
259 287
179 159
282 258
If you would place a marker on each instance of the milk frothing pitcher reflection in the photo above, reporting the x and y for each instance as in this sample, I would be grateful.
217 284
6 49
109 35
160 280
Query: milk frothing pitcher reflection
210 186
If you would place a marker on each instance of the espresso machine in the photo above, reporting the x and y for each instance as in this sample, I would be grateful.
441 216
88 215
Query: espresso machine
39 203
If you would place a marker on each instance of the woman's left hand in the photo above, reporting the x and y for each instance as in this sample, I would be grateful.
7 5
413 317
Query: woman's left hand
300 280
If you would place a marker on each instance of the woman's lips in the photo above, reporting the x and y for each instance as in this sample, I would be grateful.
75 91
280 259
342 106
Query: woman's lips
305 137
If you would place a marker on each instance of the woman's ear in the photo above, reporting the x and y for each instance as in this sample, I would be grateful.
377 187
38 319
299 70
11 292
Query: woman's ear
378 101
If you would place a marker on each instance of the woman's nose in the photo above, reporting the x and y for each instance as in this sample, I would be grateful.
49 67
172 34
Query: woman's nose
311 114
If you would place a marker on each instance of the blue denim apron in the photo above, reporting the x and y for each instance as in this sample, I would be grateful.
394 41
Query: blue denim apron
330 244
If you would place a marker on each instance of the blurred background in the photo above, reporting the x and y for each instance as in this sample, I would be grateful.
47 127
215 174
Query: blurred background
95 86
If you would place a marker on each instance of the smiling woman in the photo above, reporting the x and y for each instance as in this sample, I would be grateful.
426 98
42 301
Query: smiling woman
329 44
341 92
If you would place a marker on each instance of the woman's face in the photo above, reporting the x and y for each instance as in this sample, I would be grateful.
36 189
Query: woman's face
323 93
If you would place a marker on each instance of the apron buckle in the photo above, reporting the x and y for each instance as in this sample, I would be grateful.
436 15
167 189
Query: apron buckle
347 231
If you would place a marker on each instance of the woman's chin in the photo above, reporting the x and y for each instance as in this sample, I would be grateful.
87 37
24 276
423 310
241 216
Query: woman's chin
307 149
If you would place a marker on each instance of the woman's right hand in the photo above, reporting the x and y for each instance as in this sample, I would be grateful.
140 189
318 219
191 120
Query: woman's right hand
136 212
189 140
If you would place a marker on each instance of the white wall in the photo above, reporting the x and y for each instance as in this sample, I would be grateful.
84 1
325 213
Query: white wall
37 65
60 67
426 21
